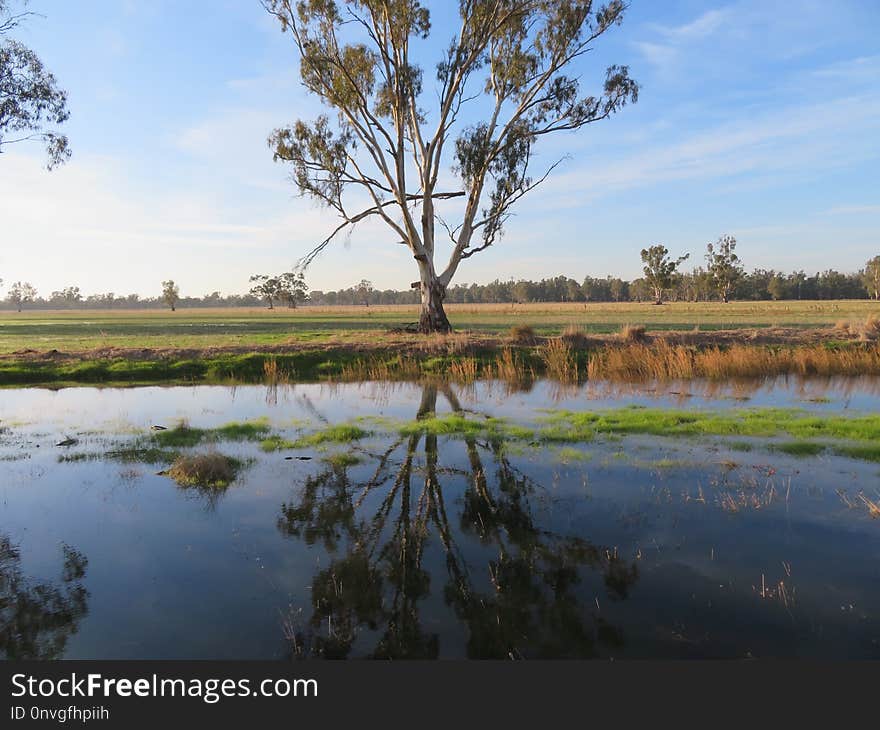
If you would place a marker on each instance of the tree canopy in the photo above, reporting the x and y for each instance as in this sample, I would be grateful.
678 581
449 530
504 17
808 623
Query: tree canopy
502 84
660 269
30 99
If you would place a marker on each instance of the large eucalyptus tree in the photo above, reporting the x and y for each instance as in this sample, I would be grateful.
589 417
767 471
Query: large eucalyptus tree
501 84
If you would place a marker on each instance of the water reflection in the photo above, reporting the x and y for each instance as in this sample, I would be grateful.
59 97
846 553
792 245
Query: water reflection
510 582
36 617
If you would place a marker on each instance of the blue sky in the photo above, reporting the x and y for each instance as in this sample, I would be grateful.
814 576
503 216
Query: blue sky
759 118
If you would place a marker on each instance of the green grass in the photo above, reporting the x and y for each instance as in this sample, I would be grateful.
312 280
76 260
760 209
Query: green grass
342 433
852 436
276 443
185 436
341 459
578 426
245 327
566 455
799 448
865 452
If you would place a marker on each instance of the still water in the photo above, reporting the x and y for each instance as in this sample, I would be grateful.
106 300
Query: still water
433 546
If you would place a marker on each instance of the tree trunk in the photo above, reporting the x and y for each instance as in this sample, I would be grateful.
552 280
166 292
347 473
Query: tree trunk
432 317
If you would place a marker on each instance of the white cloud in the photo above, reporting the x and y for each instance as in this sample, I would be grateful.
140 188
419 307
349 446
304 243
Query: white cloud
701 27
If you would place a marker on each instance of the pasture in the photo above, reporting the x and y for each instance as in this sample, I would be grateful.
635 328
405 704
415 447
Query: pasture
84 330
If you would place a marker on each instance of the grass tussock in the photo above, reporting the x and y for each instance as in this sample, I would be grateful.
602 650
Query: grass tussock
633 333
211 470
574 336
662 360
523 334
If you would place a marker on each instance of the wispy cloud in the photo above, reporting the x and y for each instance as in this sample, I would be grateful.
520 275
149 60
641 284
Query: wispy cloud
853 210
701 27
665 51
791 139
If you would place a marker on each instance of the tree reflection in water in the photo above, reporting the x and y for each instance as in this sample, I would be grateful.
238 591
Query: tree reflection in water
521 601
37 618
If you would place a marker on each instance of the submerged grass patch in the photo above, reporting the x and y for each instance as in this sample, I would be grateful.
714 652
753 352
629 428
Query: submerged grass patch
566 455
341 459
799 448
337 434
185 436
865 452
455 424
766 422
276 443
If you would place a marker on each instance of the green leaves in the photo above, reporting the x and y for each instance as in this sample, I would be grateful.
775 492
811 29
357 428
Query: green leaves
29 98
508 61
659 268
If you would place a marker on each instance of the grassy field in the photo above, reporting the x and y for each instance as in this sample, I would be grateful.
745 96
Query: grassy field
681 340
76 331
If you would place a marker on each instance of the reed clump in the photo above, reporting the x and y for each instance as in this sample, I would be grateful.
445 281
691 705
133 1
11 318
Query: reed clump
560 362
273 374
662 360
510 366
574 336
464 370
400 367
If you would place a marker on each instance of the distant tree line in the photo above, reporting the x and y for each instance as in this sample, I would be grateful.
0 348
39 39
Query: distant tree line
722 277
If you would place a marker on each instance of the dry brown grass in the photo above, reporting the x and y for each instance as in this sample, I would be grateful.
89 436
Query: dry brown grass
665 361
867 330
464 370
374 368
274 375
559 361
509 366
212 470
452 343
633 332
574 336
522 334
